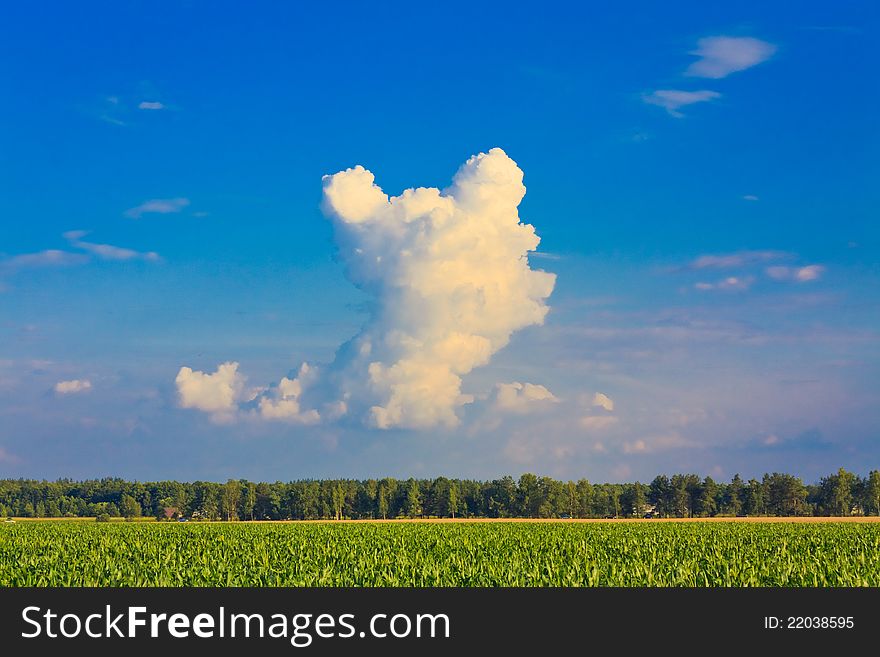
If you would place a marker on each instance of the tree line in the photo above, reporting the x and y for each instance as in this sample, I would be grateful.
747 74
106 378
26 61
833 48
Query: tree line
682 495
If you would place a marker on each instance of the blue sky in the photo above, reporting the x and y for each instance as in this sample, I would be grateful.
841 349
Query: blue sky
703 181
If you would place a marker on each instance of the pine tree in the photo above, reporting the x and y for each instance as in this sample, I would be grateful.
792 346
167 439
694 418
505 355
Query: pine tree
413 499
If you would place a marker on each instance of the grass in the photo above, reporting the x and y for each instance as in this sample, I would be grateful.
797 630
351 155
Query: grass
440 554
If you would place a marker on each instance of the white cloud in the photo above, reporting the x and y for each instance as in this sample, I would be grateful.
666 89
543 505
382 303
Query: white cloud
797 274
73 386
601 400
729 284
48 258
737 259
218 394
110 252
451 280
750 197
596 423
282 402
157 206
672 100
60 258
107 251
150 105
809 273
722 55
522 397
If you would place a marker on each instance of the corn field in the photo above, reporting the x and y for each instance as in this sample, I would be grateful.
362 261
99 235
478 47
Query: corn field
453 554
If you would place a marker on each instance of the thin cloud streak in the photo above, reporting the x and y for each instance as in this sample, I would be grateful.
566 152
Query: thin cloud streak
672 100
108 251
729 284
736 259
47 258
157 206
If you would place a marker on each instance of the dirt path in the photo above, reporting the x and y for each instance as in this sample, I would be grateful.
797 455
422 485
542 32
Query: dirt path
758 519
750 519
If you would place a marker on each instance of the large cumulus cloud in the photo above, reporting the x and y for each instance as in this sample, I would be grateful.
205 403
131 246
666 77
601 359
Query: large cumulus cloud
449 273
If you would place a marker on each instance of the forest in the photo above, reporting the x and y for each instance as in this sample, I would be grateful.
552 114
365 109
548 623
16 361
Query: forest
530 496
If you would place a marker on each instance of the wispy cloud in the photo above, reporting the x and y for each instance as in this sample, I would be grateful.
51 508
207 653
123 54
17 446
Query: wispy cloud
118 109
110 252
157 206
736 259
598 423
797 274
109 110
750 197
107 251
672 100
61 258
722 55
652 444
47 258
112 120
811 439
545 255
729 284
